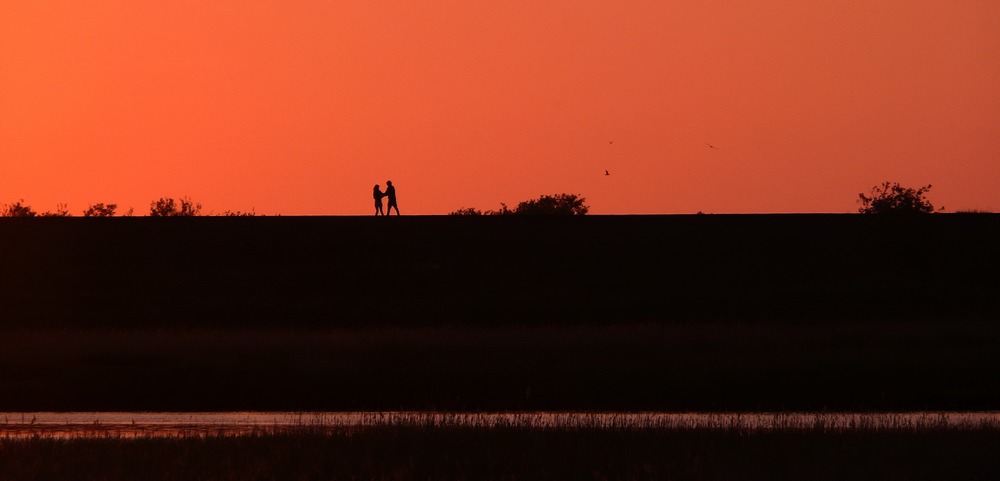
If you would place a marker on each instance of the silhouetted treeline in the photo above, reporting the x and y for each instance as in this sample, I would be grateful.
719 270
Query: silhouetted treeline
162 207
559 204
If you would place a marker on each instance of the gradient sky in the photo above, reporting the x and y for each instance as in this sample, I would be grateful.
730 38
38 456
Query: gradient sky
299 107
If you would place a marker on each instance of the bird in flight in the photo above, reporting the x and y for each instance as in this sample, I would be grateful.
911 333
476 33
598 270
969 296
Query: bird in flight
611 141
711 146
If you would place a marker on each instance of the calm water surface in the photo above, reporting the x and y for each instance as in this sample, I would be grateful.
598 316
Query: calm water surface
142 424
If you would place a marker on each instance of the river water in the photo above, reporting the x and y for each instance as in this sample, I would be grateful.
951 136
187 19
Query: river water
152 424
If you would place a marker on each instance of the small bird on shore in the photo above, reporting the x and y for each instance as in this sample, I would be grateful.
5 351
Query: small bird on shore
606 172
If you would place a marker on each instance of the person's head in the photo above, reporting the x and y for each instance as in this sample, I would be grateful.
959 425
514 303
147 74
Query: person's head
376 187
388 182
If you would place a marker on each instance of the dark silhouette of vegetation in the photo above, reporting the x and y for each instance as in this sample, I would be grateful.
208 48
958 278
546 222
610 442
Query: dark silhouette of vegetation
61 211
168 207
239 213
425 451
559 204
17 209
466 211
163 207
100 210
503 210
892 198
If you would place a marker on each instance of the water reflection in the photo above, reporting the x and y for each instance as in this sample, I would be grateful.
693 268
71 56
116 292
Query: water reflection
153 424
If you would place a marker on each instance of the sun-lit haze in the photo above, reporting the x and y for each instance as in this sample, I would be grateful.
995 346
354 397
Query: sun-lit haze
300 107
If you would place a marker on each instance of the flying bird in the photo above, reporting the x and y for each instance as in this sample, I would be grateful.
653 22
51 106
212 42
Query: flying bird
711 146
611 141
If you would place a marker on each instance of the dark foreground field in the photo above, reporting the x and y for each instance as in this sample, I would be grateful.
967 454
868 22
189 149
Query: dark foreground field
701 312
692 367
147 272
417 453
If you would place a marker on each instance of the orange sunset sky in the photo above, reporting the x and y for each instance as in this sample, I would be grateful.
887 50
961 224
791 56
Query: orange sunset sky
300 107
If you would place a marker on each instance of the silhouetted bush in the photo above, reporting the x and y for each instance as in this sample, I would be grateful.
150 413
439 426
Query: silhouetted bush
61 211
892 198
17 209
466 211
239 213
503 210
559 204
100 210
164 207
168 207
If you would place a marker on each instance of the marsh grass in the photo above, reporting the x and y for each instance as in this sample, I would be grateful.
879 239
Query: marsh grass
413 451
193 424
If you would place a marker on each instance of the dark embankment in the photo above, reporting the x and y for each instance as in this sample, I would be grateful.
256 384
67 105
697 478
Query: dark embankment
354 271
694 367
754 312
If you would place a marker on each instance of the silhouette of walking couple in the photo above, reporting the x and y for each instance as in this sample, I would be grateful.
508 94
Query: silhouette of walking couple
390 192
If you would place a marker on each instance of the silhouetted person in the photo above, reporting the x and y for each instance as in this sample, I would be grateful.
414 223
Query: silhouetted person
390 192
378 195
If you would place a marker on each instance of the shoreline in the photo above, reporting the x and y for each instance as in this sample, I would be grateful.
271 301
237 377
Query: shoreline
74 425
